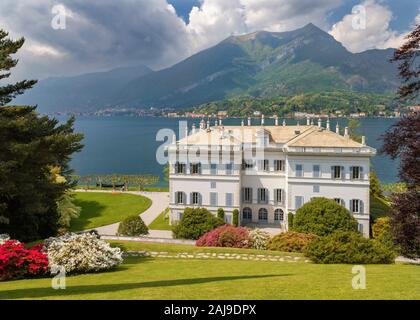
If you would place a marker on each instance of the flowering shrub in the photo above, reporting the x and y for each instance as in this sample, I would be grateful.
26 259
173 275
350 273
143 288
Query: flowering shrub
79 253
17 262
290 241
226 236
259 239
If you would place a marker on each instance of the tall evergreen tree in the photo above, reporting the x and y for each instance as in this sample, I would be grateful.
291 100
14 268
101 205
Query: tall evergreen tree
33 150
7 48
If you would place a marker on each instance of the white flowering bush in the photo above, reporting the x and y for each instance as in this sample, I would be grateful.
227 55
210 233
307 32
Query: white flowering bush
4 238
259 239
82 253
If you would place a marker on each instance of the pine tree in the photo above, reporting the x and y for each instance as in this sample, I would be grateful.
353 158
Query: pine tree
7 48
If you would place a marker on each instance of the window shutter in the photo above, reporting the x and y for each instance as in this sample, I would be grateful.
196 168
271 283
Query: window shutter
362 176
351 173
342 202
332 172
191 198
351 206
361 207
342 172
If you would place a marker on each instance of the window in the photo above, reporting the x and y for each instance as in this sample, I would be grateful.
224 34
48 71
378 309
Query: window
356 206
247 214
262 195
213 169
229 168
339 201
360 228
195 168
298 202
356 173
180 198
213 185
316 171
263 215
336 172
180 168
248 165
316 189
278 165
228 219
195 198
179 215
247 195
278 195
278 215
213 199
229 199
263 165
299 170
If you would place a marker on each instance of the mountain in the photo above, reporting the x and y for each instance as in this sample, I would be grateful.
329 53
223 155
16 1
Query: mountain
84 92
265 64
260 64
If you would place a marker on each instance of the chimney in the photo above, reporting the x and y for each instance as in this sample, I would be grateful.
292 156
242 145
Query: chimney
346 132
249 121
262 120
186 131
319 123
242 123
202 124
337 129
328 124
284 122
220 122
276 120
208 124
193 129
312 122
216 123
308 121
364 140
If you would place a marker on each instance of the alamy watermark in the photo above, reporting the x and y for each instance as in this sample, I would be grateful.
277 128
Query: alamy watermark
359 279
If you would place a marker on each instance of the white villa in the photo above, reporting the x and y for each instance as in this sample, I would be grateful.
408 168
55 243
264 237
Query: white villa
266 172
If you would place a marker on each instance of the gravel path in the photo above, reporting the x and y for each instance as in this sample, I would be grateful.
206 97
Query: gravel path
160 201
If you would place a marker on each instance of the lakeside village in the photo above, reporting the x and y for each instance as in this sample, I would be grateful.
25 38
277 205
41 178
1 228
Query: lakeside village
172 113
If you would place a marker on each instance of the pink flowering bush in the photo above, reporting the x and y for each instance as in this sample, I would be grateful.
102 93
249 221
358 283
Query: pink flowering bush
17 262
226 236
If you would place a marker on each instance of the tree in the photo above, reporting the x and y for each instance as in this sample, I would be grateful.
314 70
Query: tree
375 185
354 125
403 141
235 218
9 47
33 149
323 216
221 214
67 209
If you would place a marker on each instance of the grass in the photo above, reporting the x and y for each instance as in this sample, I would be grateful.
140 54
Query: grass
379 207
101 209
160 223
170 279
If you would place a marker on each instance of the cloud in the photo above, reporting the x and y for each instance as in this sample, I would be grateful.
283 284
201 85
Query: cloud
368 27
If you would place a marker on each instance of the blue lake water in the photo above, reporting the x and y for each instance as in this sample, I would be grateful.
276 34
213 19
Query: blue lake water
127 145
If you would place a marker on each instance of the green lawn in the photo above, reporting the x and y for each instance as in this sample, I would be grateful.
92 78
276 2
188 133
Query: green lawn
160 223
101 209
146 189
158 278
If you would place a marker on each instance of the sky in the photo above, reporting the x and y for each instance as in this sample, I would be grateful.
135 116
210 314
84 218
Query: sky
68 37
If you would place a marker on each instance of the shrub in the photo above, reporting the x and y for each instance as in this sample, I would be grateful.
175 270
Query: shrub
290 217
235 218
17 262
194 223
226 236
323 216
382 232
348 247
132 226
81 253
221 214
290 241
259 239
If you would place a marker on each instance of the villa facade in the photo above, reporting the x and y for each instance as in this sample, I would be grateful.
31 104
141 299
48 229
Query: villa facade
265 172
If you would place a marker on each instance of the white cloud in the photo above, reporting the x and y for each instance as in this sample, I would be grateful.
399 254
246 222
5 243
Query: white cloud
376 34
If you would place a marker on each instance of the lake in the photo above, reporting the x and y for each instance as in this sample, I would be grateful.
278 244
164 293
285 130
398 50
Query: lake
127 145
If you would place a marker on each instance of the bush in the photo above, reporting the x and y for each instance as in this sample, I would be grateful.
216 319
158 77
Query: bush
17 262
323 216
348 247
132 226
290 241
81 253
226 236
221 214
235 218
194 223
290 217
259 239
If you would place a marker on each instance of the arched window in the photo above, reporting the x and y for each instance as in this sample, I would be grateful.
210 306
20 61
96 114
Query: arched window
279 215
263 215
247 214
